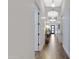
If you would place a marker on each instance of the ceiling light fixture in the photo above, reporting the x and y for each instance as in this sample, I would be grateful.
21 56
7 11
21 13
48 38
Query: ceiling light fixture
53 5
52 14
52 20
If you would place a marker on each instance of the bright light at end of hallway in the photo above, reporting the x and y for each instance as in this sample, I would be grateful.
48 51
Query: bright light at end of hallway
52 40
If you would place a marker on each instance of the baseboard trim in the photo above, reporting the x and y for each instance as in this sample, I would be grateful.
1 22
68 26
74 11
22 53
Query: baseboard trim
41 46
66 51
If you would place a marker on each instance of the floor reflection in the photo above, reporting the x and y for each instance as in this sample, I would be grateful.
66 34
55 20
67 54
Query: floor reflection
53 50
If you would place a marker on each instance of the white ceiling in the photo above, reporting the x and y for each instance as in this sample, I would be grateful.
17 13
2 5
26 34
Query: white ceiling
53 8
47 3
55 5
52 3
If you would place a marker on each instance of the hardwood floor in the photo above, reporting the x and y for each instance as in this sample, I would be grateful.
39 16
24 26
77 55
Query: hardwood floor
53 50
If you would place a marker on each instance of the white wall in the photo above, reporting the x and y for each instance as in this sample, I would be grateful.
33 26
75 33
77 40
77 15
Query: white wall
66 27
21 33
42 33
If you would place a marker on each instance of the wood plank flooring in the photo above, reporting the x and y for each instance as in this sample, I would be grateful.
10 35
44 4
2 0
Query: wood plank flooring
53 50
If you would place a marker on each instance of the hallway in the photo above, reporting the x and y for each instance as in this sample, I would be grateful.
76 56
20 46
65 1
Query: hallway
30 24
53 50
